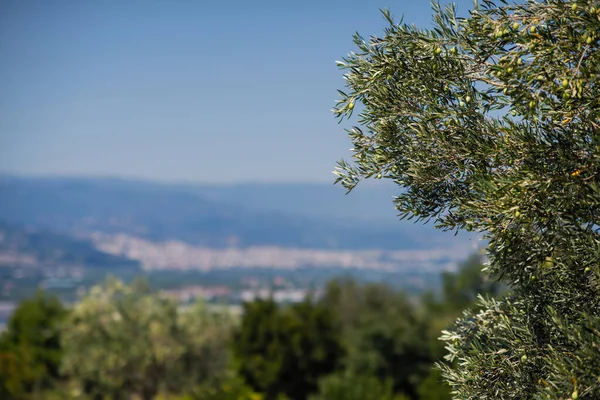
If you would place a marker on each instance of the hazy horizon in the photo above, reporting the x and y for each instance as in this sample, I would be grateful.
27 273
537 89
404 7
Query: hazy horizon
192 182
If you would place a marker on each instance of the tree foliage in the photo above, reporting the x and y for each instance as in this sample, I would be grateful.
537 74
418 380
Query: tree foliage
389 341
490 123
233 388
284 351
124 340
460 290
30 351
385 334
120 340
345 386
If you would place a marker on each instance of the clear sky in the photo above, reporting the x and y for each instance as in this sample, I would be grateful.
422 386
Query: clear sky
180 90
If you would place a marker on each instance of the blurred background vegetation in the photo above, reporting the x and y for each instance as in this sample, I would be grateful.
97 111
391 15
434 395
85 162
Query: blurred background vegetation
124 341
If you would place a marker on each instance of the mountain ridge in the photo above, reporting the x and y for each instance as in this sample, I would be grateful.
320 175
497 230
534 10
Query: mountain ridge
297 215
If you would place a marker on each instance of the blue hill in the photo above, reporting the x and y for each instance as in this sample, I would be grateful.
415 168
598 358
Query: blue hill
291 215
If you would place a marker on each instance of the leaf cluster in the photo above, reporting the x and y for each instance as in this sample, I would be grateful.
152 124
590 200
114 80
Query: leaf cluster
491 123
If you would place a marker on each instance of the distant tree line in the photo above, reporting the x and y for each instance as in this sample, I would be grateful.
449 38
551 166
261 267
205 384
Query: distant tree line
358 341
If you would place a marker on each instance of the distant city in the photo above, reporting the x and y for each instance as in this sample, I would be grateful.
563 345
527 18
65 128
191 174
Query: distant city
225 245
180 255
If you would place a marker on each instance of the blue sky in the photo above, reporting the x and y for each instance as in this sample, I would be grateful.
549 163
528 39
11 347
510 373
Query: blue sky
180 90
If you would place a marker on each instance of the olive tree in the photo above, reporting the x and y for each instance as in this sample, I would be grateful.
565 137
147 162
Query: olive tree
491 123
124 340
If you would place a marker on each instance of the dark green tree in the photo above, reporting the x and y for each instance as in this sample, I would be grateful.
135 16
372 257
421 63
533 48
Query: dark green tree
433 387
460 290
284 351
345 386
229 389
30 349
490 123
384 331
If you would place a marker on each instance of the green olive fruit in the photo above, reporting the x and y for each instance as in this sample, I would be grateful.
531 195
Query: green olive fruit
532 29
517 213
589 40
575 395
574 7
565 83
516 26
548 262
438 50
587 269
454 50
532 104
523 358
379 176
351 105
462 104
592 10
468 99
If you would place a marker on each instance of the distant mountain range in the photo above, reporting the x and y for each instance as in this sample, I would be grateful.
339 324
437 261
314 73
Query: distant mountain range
31 247
286 215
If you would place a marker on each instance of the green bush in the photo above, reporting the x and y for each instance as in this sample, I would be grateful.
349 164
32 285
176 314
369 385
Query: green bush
124 340
30 351
284 351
